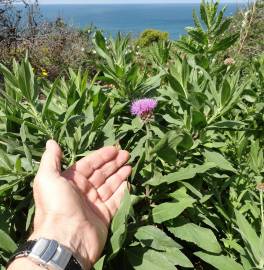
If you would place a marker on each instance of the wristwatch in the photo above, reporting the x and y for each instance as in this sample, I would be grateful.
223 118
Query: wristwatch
49 254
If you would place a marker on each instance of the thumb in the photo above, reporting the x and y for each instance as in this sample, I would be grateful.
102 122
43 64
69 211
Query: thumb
51 159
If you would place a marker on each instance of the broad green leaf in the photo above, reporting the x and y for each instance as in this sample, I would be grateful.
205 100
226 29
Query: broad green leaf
6 187
155 238
225 43
219 161
6 243
143 259
183 174
198 120
167 211
122 213
227 124
250 236
176 85
119 225
175 256
220 262
226 93
202 237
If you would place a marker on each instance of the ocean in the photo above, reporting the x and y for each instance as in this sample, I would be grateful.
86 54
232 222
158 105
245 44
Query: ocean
129 18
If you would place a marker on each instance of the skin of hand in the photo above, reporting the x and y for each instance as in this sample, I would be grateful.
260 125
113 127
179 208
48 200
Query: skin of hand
75 207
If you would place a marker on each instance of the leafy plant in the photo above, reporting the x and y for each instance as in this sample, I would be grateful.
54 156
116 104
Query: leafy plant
209 35
196 147
151 36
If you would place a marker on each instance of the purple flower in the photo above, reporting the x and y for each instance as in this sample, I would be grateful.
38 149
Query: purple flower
143 107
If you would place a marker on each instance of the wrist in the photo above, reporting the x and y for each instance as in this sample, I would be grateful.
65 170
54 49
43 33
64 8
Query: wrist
67 234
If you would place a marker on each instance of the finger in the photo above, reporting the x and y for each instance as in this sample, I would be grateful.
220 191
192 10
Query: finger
51 159
113 183
99 176
115 201
87 165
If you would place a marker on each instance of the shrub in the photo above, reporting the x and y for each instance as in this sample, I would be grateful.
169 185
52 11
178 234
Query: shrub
250 23
53 46
150 36
196 150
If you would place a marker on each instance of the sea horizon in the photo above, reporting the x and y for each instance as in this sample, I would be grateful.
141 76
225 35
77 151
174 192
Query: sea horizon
130 18
137 4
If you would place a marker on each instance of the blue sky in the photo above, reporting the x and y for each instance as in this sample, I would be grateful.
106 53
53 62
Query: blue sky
128 1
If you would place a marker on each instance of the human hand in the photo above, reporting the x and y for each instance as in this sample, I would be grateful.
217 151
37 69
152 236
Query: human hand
75 207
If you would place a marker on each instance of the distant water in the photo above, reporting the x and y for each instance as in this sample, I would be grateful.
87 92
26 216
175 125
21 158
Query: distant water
133 19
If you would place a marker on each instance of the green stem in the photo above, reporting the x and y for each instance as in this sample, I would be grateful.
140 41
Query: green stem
261 209
148 142
148 159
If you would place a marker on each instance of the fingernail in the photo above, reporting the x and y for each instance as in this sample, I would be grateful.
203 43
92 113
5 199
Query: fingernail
48 144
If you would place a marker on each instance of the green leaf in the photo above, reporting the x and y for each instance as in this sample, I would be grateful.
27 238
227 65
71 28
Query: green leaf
250 236
183 174
203 13
166 148
155 238
175 256
49 98
6 243
202 237
144 259
197 34
196 20
219 262
223 27
6 187
219 161
198 119
226 93
119 225
176 85
167 211
227 124
100 264
225 43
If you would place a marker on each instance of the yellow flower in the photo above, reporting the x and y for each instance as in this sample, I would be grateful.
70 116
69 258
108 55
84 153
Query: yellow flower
44 72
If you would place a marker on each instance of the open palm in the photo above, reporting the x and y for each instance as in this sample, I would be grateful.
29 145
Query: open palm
81 201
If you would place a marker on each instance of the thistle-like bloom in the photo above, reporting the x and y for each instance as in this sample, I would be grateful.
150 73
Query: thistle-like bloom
229 61
143 107
260 187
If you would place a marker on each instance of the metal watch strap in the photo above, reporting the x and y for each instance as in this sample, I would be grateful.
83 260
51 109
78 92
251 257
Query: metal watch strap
22 251
26 251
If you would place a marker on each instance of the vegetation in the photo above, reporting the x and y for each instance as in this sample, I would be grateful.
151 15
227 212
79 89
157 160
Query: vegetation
52 46
150 36
251 35
197 155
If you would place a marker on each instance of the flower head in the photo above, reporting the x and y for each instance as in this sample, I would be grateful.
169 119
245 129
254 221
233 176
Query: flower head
143 107
229 61
260 187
